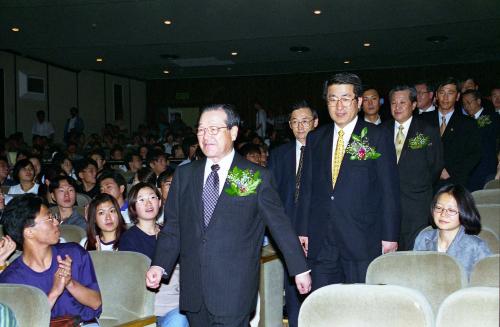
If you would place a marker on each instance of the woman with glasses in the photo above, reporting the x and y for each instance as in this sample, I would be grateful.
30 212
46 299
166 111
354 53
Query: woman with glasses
456 223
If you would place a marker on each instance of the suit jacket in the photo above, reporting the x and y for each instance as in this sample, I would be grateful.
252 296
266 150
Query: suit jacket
488 163
418 170
364 207
282 163
461 145
220 263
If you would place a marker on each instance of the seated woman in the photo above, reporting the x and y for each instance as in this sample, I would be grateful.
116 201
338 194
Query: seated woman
63 193
24 176
456 222
105 224
144 208
63 271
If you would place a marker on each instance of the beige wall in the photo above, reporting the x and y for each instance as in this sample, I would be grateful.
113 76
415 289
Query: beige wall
91 92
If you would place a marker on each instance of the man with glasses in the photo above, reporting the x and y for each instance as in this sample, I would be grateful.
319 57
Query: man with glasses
286 164
218 234
459 134
348 205
425 97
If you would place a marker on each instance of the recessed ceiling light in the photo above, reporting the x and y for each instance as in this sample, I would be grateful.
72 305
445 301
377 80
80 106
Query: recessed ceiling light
15 29
169 56
299 49
347 61
234 53
167 22
367 44
317 12
436 39
166 72
99 59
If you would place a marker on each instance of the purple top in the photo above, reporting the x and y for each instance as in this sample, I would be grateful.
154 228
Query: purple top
82 270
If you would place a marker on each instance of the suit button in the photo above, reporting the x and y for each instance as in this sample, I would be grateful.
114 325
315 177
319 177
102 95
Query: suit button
332 198
204 240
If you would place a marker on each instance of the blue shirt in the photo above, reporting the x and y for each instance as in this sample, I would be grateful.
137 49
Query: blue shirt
82 271
134 239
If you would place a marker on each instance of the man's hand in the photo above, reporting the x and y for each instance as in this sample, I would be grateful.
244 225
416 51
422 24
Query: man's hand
444 174
304 241
153 277
389 247
303 282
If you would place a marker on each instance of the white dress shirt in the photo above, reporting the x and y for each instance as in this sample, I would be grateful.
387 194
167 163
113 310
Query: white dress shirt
377 122
298 145
446 117
406 127
476 116
224 165
431 108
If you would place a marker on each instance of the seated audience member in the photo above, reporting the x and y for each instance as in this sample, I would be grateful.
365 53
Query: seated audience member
98 157
24 175
134 163
157 161
63 192
145 175
87 172
63 271
62 161
116 154
114 184
251 152
178 152
22 155
105 224
144 209
264 154
49 174
189 146
143 152
163 184
7 247
37 165
457 223
5 180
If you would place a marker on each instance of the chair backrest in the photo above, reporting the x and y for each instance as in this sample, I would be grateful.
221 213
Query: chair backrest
1 230
495 183
491 196
82 199
435 274
491 238
30 304
486 272
72 233
365 305
121 278
490 216
473 306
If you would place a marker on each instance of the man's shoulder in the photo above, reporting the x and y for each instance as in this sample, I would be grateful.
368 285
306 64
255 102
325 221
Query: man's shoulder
284 148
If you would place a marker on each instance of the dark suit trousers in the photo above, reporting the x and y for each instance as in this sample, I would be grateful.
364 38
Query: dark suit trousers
330 267
293 300
204 318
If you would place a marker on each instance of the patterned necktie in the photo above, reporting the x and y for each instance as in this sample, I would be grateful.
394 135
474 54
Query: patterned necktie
299 173
443 125
400 140
210 194
337 159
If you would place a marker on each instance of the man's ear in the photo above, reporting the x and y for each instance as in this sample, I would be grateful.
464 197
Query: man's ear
234 132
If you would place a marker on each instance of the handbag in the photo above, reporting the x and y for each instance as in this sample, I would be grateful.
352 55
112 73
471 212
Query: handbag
65 321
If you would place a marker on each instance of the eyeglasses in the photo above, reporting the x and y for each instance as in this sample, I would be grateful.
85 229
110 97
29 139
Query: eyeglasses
345 102
211 130
305 123
51 218
148 198
449 212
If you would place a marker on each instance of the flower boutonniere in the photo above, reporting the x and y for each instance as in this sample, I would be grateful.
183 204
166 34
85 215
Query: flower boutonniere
482 121
419 141
360 149
242 182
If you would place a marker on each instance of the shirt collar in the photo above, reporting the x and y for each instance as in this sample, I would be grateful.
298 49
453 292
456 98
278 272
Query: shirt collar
476 116
224 163
406 124
349 128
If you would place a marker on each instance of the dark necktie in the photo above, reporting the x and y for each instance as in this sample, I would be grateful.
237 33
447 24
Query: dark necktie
299 174
210 194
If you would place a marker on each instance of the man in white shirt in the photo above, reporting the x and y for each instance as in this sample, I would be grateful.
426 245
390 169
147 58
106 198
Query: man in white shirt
41 127
371 106
425 97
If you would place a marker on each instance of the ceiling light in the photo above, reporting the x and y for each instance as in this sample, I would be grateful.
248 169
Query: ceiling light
367 44
234 53
436 39
169 56
99 59
167 22
166 72
15 29
347 61
317 12
299 49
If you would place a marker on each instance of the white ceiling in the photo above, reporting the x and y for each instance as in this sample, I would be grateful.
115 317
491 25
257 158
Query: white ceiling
130 34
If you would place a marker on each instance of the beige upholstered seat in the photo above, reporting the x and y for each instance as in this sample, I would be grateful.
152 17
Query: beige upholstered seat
435 274
82 199
473 306
29 304
491 196
121 278
495 183
72 233
486 272
271 288
490 216
363 305
490 237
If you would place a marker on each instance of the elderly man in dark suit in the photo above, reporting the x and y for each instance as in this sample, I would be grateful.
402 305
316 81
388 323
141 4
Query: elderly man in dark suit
286 163
419 155
349 193
459 134
216 213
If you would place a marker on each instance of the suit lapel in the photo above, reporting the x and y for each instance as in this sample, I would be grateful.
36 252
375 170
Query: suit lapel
412 131
451 123
198 183
328 152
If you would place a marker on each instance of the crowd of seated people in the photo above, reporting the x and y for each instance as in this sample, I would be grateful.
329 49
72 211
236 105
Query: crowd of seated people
128 179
